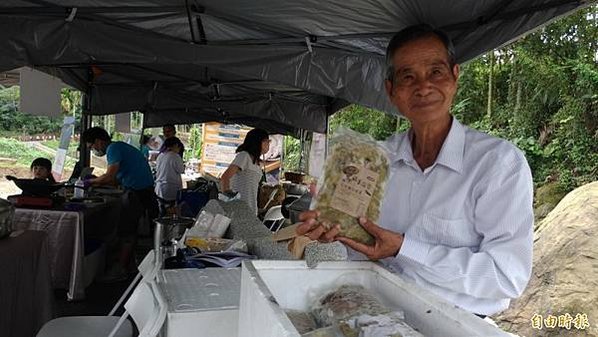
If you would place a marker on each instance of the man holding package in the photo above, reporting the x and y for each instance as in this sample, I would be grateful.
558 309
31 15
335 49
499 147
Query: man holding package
456 217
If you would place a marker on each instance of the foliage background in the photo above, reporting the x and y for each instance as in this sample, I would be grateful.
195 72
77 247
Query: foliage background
541 93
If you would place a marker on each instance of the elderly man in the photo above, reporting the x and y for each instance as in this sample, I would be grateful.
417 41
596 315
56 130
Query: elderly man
457 216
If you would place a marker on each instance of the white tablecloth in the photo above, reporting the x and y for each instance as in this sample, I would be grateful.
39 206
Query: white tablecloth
66 233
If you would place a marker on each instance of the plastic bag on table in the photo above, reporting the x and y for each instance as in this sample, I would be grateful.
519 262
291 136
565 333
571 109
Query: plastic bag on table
391 324
353 183
345 302
356 312
303 321
208 225
329 331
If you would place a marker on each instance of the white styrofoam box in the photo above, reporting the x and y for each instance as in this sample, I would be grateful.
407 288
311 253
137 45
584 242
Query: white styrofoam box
201 302
269 287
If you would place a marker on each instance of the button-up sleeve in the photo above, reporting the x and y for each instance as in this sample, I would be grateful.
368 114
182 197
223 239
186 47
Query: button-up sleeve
501 266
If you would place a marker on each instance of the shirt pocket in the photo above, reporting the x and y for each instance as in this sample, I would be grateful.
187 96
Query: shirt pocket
447 232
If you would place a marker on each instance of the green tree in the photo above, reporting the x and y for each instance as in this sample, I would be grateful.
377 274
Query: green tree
365 120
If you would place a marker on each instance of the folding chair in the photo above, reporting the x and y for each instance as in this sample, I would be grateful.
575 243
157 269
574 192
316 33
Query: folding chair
274 218
148 316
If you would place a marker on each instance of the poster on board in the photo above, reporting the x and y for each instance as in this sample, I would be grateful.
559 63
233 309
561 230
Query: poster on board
68 128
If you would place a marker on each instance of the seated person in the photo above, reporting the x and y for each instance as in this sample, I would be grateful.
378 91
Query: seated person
169 168
41 168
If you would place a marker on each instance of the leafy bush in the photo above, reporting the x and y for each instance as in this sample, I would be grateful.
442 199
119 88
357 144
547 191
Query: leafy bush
22 152
194 148
292 154
14 121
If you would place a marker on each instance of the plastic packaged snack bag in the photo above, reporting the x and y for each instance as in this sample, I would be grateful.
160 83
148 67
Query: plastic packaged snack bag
304 322
353 183
345 302
357 312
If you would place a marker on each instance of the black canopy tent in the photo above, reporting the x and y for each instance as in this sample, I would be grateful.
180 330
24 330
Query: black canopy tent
281 65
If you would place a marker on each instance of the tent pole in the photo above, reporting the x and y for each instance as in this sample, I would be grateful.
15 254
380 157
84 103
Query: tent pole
326 137
84 156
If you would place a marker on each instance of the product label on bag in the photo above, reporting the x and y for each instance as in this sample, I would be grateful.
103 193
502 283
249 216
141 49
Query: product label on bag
354 190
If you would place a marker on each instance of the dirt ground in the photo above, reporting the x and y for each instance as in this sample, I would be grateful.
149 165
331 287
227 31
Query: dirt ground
8 187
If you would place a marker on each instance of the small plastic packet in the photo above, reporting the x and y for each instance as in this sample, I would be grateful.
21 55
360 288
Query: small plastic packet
357 312
303 321
329 331
209 226
353 183
215 244
345 302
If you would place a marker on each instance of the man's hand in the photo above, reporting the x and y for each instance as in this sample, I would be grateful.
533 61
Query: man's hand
315 230
387 243
87 182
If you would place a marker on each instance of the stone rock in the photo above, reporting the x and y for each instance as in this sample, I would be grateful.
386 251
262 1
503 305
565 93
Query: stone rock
267 249
316 252
213 206
542 211
565 269
549 193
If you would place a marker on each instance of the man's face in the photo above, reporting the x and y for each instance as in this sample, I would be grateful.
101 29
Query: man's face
98 147
424 83
168 131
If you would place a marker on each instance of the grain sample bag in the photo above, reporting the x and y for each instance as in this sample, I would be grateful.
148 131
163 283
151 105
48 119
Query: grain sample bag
356 312
353 183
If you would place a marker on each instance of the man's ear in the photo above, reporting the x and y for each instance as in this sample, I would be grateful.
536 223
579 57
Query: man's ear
388 87
456 72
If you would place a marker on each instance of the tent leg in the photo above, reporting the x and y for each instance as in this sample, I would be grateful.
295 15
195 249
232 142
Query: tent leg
84 157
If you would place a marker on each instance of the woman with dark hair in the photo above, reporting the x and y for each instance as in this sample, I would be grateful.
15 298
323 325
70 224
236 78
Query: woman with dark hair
243 175
41 168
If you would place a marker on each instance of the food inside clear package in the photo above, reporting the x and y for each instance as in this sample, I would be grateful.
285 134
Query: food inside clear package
345 302
215 244
304 322
208 225
356 312
353 183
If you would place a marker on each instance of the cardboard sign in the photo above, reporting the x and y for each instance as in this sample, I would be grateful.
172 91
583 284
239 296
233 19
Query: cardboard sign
39 93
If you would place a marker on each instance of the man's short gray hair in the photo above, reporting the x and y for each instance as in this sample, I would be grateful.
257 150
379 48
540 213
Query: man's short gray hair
413 33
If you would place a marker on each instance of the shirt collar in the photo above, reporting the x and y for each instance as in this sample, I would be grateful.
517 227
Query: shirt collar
451 154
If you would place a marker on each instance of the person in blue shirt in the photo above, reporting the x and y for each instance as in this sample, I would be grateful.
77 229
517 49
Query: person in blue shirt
144 148
128 168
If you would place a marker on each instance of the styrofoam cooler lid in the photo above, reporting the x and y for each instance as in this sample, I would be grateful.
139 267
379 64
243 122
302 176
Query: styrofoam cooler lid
201 289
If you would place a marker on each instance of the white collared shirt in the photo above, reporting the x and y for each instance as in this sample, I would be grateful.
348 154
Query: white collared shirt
467 219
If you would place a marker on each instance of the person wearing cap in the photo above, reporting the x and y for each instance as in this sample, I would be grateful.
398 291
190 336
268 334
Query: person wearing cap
457 216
